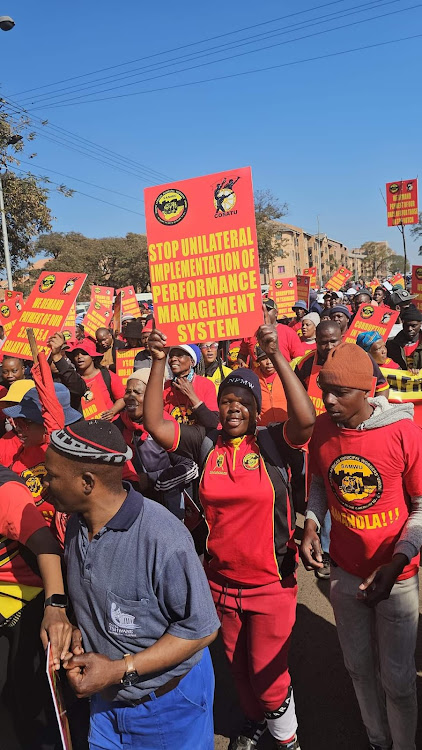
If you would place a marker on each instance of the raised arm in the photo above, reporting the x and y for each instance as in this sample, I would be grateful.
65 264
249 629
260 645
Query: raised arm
162 430
300 409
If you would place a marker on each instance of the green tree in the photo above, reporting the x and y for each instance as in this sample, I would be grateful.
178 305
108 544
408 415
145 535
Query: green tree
25 196
110 261
268 210
380 259
416 231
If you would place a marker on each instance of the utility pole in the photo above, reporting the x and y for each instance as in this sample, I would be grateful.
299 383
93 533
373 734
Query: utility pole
319 255
5 239
401 228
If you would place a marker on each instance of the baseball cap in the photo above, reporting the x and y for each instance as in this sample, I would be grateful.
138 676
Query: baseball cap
16 392
269 304
87 346
400 296
30 406
190 349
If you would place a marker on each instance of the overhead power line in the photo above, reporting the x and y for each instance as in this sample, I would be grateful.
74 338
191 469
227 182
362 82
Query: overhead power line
78 179
74 101
86 195
89 148
247 41
176 49
266 69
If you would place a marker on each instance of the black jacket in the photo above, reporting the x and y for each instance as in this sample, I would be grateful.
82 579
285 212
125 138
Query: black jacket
395 350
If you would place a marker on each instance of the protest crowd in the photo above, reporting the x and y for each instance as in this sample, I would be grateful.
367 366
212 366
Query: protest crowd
148 500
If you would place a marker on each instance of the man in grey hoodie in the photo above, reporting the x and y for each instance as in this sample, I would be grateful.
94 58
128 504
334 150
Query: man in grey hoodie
365 459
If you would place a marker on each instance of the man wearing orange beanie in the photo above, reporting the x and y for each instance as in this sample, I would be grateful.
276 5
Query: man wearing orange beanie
365 458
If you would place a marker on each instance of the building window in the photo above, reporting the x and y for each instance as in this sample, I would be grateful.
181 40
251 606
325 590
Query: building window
278 236
281 269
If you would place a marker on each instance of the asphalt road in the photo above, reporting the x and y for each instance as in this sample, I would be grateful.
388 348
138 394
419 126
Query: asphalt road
326 706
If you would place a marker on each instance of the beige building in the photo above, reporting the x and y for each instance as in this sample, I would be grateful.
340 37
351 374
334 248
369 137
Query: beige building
301 250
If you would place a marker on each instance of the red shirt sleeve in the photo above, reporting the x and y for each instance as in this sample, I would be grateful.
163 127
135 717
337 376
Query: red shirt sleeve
117 387
19 517
205 390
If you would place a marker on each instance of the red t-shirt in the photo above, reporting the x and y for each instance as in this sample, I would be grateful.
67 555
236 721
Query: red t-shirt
29 464
180 407
117 388
369 477
288 341
408 353
19 519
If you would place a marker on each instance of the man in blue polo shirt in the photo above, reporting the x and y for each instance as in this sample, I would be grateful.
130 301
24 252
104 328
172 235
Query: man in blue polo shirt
142 603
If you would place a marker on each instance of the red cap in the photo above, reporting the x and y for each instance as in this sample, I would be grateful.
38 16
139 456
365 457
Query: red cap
148 325
87 346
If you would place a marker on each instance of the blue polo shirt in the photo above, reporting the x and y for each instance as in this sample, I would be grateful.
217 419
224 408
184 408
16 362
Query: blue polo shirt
137 579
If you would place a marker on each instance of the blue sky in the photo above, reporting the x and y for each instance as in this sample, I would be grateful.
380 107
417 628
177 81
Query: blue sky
323 135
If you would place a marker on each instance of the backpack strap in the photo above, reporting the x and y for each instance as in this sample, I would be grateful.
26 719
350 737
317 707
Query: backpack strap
207 445
271 452
107 380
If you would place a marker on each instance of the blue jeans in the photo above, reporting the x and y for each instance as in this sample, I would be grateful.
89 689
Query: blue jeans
179 720
325 532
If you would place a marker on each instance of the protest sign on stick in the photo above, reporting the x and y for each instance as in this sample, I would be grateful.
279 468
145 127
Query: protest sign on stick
9 310
100 310
371 318
124 362
46 310
53 678
303 284
417 285
338 279
283 292
203 257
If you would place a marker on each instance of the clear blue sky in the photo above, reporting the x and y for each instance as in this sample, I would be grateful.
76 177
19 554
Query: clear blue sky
323 136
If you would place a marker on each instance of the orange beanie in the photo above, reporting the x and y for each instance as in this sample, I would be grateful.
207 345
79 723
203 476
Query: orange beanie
347 366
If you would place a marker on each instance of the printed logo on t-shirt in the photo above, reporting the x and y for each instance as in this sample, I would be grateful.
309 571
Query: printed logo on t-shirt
123 623
183 414
355 482
251 461
218 467
33 479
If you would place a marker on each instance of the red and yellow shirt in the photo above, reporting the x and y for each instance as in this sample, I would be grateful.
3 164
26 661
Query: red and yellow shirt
369 477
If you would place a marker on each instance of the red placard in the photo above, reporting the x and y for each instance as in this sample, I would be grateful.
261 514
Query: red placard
417 285
53 678
398 280
69 326
283 292
402 202
338 279
46 310
93 401
314 391
303 287
124 362
129 303
203 257
312 272
99 314
371 318
9 311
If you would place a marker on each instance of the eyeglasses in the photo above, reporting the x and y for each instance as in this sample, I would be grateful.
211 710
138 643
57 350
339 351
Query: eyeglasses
208 346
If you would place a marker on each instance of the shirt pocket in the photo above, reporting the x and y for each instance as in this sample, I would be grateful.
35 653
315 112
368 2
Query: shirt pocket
126 617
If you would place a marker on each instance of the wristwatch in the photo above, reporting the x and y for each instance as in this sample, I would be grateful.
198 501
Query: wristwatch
56 600
131 676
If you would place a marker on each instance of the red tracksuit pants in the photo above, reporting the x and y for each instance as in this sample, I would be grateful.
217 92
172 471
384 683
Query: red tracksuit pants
256 626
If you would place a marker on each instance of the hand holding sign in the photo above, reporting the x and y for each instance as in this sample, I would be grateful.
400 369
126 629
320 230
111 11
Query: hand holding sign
157 344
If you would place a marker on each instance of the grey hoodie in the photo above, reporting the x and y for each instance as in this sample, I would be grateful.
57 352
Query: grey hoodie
384 414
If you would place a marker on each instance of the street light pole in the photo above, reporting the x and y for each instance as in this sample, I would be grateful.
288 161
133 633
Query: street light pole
5 239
